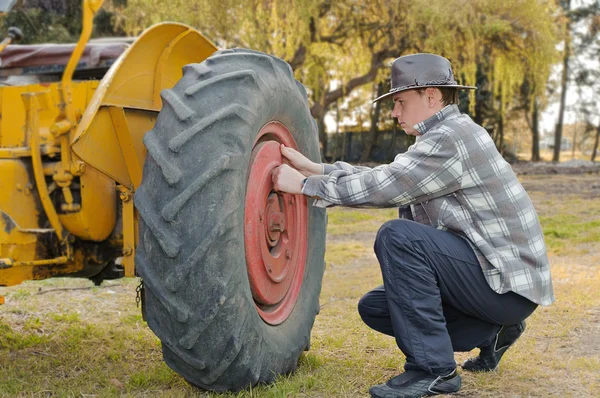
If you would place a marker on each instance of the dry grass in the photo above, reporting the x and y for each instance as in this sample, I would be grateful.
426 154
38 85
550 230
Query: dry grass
67 338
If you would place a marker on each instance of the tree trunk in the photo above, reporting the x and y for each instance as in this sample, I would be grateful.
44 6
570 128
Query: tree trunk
563 87
344 136
500 125
478 99
574 144
348 148
392 151
338 149
535 131
322 136
371 137
318 112
595 149
500 133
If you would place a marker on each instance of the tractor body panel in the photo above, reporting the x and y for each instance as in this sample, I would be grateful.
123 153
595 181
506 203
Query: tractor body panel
71 155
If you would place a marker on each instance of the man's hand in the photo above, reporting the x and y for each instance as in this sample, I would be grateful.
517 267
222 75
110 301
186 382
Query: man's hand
301 162
286 179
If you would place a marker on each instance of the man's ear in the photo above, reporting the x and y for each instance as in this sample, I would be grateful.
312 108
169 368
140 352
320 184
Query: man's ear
434 96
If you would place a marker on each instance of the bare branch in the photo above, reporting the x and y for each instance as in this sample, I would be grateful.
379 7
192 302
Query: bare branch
376 63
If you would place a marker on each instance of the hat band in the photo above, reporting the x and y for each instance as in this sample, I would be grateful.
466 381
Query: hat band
446 82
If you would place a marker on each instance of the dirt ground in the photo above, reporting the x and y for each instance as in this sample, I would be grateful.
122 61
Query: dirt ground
566 189
65 337
562 340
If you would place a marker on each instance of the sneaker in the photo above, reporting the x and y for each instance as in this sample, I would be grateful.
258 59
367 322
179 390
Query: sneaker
489 356
416 383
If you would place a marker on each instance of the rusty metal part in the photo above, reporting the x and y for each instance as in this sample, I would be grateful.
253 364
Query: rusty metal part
129 230
53 58
14 34
33 263
22 251
275 232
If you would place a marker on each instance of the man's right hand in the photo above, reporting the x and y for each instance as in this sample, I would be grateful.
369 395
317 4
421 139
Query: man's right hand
301 162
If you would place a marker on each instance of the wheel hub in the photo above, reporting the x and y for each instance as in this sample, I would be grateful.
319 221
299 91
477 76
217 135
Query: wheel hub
275 232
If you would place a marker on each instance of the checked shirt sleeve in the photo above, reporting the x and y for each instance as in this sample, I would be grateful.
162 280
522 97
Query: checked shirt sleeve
431 168
328 168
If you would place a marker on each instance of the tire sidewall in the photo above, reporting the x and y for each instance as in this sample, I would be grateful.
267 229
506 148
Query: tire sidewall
210 296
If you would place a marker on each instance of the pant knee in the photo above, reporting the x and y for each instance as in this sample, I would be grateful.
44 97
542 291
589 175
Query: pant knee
398 229
394 238
373 304
374 312
365 309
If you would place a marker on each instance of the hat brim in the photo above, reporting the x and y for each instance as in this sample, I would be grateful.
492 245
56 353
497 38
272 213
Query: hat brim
458 86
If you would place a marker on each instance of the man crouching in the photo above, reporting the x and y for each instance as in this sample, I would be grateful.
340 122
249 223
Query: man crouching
466 263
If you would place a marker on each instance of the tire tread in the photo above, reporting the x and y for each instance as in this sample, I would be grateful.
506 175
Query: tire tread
197 339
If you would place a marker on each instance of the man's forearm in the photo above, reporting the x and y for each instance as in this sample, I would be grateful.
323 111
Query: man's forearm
317 169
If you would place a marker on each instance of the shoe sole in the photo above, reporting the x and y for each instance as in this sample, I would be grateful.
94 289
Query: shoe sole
522 326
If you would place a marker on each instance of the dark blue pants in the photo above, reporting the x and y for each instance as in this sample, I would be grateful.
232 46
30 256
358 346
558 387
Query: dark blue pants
435 299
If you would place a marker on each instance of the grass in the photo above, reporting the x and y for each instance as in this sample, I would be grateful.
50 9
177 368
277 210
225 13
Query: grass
344 221
64 337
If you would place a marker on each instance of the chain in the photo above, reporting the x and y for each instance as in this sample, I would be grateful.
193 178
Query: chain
138 293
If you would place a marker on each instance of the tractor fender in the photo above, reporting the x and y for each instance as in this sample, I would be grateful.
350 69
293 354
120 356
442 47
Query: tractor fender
127 100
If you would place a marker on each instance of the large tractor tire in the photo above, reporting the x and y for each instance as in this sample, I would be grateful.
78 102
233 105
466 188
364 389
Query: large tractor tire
232 270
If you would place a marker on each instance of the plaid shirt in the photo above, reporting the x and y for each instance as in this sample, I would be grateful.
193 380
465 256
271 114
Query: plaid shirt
454 179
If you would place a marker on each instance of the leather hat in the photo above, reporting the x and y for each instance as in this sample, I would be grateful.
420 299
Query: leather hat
421 71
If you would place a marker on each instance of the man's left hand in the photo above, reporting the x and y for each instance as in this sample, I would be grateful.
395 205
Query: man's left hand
287 179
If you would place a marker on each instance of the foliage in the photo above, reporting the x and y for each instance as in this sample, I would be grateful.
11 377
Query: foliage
581 21
586 46
336 47
342 41
54 21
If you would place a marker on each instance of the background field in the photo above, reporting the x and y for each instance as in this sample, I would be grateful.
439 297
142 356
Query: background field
65 337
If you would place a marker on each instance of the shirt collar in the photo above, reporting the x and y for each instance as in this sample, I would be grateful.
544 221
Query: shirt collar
447 112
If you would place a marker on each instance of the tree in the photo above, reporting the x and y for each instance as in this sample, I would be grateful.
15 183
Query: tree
351 41
54 21
370 139
596 143
575 40
586 38
566 4
523 48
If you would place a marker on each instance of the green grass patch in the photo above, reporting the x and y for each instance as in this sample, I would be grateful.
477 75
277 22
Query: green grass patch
344 221
20 294
63 337
343 253
12 339
156 376
565 232
71 317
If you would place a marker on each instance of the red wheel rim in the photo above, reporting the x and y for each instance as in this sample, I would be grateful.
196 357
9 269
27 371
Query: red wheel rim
275 230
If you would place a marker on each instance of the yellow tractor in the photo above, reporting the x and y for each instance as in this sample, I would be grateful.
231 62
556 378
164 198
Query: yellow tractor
156 161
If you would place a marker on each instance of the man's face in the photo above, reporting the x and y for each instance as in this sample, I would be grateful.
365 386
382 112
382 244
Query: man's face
410 108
